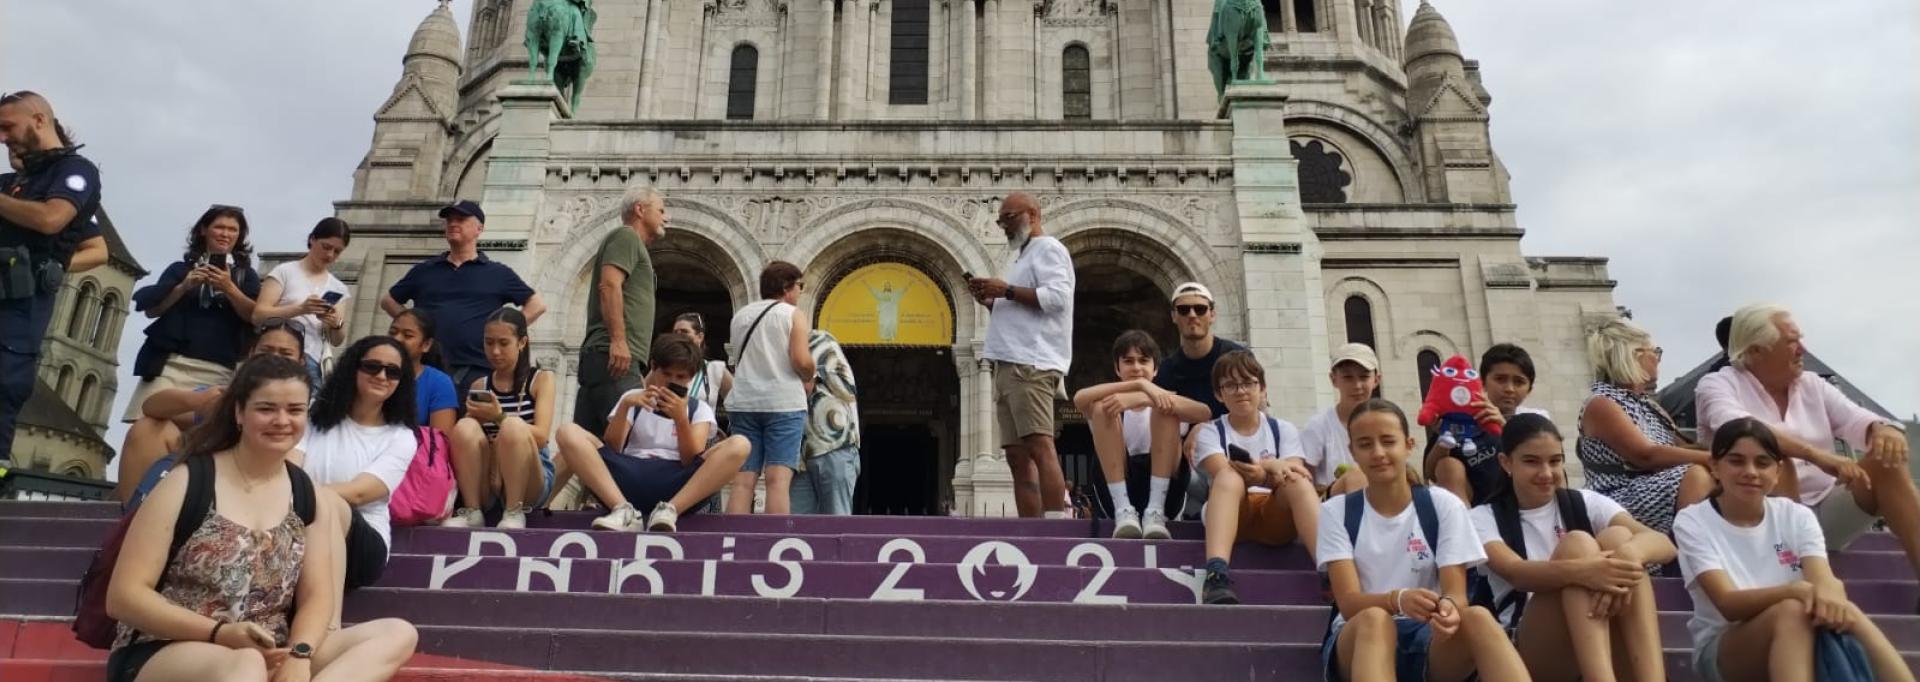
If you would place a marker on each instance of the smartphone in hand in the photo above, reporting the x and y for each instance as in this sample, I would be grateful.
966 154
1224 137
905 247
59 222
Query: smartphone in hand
1239 454
677 390
218 260
333 297
480 396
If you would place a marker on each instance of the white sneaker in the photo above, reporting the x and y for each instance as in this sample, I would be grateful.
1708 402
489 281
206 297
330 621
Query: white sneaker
1156 525
1126 523
664 519
465 518
623 517
515 518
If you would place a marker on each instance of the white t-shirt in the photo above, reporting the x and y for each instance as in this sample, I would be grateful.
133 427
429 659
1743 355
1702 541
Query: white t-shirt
1541 528
1261 444
1136 428
340 454
1393 552
654 436
1766 555
1532 410
295 287
1326 444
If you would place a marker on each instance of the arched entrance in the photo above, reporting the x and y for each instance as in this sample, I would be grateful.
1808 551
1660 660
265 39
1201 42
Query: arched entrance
690 270
883 299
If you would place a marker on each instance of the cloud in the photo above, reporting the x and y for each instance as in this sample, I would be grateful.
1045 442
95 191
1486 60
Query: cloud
1719 152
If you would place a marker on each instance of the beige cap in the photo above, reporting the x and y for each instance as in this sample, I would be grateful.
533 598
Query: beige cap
1191 289
1357 353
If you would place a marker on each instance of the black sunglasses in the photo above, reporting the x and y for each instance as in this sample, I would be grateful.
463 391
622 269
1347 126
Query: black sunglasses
376 368
273 323
1193 309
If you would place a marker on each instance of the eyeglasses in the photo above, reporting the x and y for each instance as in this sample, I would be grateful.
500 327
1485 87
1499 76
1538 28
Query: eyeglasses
1246 387
1193 310
1009 218
273 323
226 207
1657 352
374 368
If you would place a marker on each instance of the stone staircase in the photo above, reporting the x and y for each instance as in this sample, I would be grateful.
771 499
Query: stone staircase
814 598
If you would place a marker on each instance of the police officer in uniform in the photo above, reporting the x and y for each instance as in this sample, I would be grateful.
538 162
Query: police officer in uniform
46 211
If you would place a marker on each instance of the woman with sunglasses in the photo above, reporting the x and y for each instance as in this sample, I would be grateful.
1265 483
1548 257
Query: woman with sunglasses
360 445
169 412
201 308
306 292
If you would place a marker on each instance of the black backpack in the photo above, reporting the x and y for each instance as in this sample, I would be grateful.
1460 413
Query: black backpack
1506 515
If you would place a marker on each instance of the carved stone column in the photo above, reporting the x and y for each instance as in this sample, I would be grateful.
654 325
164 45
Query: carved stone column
650 50
823 81
990 50
969 71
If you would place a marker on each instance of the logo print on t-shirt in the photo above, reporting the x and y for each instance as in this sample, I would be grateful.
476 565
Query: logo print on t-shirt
76 183
1787 557
1418 548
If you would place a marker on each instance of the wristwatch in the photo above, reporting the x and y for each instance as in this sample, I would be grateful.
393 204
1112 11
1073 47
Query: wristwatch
301 650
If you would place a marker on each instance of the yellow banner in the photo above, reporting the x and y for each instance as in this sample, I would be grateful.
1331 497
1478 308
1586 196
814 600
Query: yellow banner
891 304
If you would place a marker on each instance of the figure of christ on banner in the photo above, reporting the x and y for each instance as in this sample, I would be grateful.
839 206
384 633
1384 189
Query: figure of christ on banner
888 304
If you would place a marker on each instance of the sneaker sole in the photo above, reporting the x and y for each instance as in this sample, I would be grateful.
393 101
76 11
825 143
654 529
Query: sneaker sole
1157 534
661 528
1126 533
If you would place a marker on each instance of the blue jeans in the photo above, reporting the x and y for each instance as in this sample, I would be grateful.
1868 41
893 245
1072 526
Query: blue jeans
775 437
313 376
826 487
23 323
1409 658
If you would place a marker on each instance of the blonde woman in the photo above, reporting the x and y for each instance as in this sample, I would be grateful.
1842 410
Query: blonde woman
1631 449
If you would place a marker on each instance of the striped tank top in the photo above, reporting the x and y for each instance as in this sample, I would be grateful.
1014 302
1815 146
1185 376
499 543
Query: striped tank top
513 403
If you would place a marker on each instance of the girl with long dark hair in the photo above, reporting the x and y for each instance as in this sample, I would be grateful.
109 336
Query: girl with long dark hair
304 290
1567 568
1756 567
211 621
362 441
437 402
507 429
202 308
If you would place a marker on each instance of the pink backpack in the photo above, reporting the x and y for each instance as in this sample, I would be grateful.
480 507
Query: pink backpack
426 493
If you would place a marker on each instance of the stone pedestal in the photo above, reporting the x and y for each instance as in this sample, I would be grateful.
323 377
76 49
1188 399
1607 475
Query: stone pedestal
516 177
1286 310
992 487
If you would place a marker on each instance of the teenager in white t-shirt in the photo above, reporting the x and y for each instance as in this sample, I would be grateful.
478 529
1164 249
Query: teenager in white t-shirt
1585 592
299 290
1400 593
1121 416
1267 498
1355 376
1756 567
361 442
655 452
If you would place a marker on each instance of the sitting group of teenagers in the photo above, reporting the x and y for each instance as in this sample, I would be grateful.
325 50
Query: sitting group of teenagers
276 491
1498 569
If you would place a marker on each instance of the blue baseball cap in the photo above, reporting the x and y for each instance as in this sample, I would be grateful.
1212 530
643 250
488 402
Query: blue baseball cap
465 207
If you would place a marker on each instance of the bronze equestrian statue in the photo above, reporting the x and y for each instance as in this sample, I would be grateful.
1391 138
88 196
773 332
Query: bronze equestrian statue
1237 43
560 37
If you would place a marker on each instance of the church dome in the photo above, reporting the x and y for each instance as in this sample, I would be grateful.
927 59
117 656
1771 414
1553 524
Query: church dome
438 36
1430 34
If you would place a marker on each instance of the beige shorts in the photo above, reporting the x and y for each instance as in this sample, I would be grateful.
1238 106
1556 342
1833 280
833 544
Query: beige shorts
1023 400
180 372
1841 518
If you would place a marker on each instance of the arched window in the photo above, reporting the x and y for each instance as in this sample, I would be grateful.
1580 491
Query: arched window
65 381
76 470
1359 313
1425 362
1304 15
88 387
109 317
82 305
1076 83
907 74
742 78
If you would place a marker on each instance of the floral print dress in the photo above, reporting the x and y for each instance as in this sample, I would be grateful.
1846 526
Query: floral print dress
233 573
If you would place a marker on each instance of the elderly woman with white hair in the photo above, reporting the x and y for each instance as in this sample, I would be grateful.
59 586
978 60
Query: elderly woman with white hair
1768 381
1632 450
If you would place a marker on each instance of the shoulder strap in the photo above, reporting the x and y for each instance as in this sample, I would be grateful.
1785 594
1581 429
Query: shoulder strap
1220 426
1356 503
303 498
1273 428
1429 519
1573 511
199 500
1506 516
748 337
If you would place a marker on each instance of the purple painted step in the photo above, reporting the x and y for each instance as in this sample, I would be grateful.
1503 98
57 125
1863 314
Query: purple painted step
53 532
938 549
13 509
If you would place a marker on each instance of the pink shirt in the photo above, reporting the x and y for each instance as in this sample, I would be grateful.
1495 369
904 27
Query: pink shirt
1817 413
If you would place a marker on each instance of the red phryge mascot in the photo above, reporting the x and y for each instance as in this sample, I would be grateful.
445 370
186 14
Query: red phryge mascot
1456 386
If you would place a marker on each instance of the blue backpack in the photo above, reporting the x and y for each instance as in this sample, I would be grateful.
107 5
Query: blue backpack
1356 510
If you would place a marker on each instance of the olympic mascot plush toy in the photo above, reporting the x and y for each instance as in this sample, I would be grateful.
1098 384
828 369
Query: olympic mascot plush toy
1456 386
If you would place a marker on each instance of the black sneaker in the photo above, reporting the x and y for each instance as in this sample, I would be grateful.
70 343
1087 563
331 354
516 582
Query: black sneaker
1218 590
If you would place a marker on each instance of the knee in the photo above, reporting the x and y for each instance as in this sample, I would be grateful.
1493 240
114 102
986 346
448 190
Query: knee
1228 481
1576 544
399 636
515 427
247 664
468 431
1477 620
1613 537
1373 623
1449 469
1788 617
732 451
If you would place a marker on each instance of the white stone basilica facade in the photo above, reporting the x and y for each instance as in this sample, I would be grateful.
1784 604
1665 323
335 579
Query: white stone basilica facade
1357 197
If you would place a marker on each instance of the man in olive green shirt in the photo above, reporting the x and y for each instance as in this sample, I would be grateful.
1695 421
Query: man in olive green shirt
613 358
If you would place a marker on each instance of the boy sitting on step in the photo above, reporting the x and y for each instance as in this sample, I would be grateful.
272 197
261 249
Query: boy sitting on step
1261 488
1121 416
662 461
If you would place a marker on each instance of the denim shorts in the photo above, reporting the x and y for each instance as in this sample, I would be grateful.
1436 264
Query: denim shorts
499 502
1410 657
1706 658
775 437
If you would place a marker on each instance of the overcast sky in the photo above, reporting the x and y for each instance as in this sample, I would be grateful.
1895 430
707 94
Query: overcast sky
1719 152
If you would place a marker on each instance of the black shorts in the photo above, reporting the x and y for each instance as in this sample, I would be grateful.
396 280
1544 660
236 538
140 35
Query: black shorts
124 664
648 481
366 554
